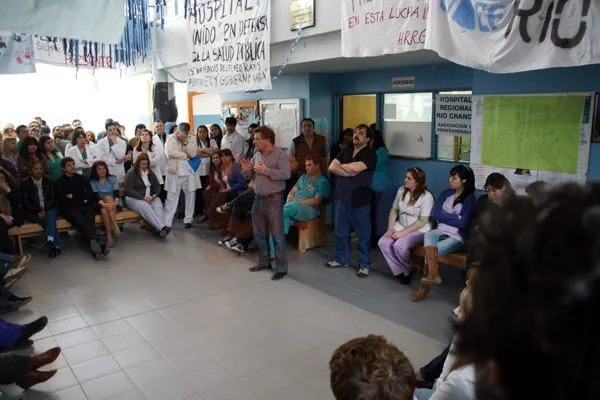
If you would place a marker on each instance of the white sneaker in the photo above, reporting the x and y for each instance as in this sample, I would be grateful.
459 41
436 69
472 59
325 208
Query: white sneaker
456 310
229 244
238 248
223 241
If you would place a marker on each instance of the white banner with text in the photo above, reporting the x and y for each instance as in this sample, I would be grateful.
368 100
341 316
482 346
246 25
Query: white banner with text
453 114
229 46
504 36
16 56
49 52
378 27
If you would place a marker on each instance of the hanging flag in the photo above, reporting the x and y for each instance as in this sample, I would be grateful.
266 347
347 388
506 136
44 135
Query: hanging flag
229 42
16 55
378 27
99 21
503 36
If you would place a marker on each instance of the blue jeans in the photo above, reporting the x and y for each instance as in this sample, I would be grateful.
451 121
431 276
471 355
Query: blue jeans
6 258
424 394
348 218
444 243
49 224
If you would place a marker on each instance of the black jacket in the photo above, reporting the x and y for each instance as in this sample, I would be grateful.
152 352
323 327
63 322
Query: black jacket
15 206
30 196
135 187
77 186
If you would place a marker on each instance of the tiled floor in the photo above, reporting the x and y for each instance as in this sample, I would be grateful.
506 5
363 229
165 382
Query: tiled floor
184 319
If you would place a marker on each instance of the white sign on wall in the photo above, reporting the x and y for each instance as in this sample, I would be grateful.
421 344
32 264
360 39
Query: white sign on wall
404 82
229 46
453 114
49 52
376 27
504 36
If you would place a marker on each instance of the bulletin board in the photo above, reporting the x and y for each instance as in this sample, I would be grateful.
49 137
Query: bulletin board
532 137
283 116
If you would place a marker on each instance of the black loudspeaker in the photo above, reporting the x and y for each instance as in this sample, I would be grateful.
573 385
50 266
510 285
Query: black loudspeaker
163 100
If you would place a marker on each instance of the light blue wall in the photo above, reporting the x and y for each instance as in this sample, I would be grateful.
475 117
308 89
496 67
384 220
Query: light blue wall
321 91
207 120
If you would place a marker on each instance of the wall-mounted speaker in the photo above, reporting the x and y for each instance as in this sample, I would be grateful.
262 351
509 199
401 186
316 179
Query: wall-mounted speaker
163 100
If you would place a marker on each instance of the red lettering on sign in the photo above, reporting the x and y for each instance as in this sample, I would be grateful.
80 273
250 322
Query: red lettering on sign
373 17
410 38
353 21
404 13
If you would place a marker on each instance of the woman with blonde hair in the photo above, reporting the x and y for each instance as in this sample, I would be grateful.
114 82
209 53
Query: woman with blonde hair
9 131
9 153
407 224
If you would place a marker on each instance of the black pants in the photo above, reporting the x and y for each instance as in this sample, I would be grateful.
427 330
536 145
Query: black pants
13 367
200 205
433 369
242 204
6 245
82 218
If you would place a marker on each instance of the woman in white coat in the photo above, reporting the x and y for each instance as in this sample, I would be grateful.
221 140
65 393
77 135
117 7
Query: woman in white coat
83 155
156 155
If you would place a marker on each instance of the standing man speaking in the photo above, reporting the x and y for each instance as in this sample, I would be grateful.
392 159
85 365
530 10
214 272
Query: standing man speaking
270 168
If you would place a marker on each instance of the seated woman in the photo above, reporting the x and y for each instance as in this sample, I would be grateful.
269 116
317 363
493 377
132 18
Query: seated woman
82 153
232 184
24 370
146 146
536 191
29 153
407 224
10 210
106 194
53 157
41 206
453 211
142 195
5 161
213 186
17 336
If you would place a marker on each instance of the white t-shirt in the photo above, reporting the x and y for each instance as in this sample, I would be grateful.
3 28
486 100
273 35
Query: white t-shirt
409 214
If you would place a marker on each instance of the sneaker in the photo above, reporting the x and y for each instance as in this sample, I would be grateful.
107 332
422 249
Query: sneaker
223 209
187 226
278 275
20 261
362 272
223 241
230 243
238 248
335 264
95 247
455 311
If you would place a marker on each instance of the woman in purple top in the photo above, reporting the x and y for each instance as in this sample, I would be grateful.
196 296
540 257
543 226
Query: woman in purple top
452 212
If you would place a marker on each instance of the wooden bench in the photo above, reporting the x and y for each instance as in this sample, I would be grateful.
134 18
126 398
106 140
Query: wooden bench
458 260
31 229
312 233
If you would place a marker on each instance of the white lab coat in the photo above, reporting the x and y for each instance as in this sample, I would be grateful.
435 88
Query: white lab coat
156 161
75 154
110 155
236 143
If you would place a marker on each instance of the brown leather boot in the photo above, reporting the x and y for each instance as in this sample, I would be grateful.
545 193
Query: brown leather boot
48 357
34 377
433 277
421 294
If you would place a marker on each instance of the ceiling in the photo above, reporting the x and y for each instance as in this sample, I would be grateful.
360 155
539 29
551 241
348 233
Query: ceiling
341 64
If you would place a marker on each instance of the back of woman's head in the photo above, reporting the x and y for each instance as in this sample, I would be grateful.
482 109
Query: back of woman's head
536 297
371 368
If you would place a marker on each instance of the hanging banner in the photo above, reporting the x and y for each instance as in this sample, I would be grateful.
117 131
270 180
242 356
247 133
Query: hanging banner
96 21
48 52
504 36
16 55
378 27
453 114
229 43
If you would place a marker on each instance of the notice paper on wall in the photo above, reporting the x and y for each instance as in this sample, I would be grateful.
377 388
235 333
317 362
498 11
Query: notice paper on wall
377 27
453 114
285 124
94 21
229 44
503 36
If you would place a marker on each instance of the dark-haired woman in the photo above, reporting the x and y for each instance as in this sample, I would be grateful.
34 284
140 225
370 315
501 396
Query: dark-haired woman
28 154
41 206
408 222
453 211
216 133
53 157
83 155
142 191
106 193
206 148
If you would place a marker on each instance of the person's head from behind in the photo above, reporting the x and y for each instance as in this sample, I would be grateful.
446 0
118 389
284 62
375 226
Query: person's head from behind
230 124
312 163
68 166
377 140
142 163
536 297
362 135
346 136
465 303
535 191
264 138
371 368
498 187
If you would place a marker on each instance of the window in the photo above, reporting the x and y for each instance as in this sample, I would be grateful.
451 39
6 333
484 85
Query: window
453 148
407 121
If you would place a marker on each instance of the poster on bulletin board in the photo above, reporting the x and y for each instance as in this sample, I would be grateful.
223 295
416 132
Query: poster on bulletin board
285 125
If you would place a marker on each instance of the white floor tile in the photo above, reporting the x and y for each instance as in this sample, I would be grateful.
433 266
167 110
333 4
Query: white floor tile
62 313
136 356
101 317
63 379
85 352
173 388
191 360
108 386
67 325
72 393
245 363
267 381
150 372
234 390
123 341
95 369
208 377
112 328
174 344
75 338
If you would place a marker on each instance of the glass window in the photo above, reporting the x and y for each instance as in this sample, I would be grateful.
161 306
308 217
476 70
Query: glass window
407 124
453 148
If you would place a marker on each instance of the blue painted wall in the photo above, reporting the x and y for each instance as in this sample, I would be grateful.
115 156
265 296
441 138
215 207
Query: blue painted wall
207 120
